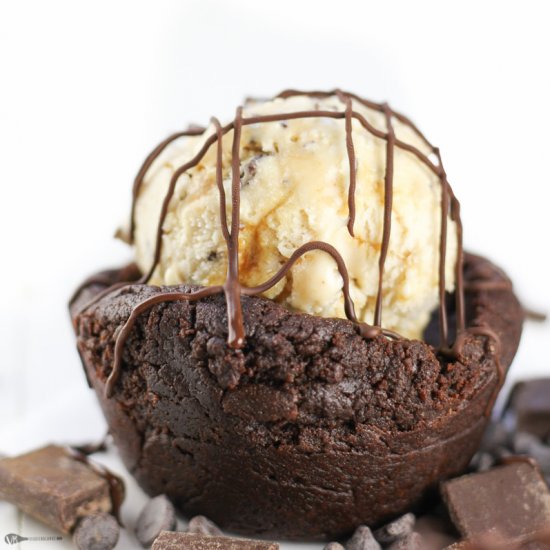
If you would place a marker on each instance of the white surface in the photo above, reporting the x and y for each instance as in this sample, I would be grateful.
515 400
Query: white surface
86 90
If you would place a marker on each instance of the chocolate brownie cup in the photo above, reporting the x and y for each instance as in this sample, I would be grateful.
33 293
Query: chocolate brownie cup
310 429
226 393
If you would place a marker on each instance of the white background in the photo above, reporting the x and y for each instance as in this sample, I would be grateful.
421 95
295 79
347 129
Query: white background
88 88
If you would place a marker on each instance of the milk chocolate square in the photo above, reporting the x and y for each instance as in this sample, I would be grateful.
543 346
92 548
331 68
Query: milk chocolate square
512 500
53 487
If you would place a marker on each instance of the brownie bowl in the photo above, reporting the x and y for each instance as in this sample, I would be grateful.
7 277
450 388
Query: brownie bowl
310 429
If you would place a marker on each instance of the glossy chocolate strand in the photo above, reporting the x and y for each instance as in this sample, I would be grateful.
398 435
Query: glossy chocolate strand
219 179
170 193
443 322
351 158
388 205
296 255
459 267
339 115
113 377
232 286
138 180
367 103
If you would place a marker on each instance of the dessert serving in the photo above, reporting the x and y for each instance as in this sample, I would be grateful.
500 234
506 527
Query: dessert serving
301 346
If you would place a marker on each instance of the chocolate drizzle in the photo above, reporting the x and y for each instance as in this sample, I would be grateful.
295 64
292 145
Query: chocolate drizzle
346 100
388 204
232 287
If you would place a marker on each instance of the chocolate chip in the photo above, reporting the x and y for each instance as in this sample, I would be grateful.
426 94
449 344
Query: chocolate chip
157 515
249 171
96 532
411 541
362 539
396 529
201 525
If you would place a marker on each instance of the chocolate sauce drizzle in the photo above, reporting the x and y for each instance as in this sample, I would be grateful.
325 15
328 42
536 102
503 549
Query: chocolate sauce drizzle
232 288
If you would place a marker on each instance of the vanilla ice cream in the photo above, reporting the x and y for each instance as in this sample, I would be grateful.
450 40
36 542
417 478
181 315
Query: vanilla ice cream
294 189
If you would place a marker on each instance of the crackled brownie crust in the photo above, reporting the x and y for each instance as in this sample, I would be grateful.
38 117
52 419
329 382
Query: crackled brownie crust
307 431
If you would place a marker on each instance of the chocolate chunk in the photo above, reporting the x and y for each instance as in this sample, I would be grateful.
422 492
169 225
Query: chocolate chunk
362 539
333 546
169 540
396 529
531 402
512 499
411 541
97 532
52 486
157 515
200 525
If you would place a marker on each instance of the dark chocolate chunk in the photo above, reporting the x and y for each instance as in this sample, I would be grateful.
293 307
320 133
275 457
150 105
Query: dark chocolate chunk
411 541
396 529
201 525
52 486
363 539
157 515
531 402
96 532
333 546
512 499
170 540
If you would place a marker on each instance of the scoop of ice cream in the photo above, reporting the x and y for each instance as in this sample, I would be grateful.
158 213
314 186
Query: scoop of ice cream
295 178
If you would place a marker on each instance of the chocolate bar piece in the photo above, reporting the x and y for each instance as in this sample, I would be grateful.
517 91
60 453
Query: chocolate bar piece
169 540
531 402
512 500
54 486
